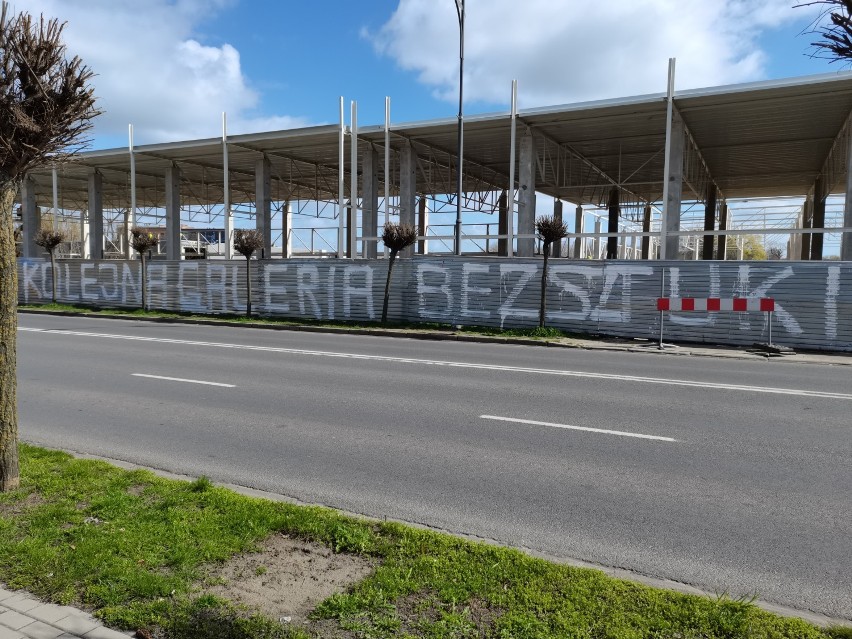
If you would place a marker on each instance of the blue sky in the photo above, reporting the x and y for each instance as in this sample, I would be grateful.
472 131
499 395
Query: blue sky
174 66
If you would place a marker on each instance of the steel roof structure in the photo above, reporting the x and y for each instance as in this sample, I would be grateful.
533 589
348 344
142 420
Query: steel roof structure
775 138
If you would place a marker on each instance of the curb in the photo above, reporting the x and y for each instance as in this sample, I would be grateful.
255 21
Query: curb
588 345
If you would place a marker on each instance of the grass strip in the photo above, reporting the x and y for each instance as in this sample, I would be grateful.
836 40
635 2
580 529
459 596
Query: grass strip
537 333
132 548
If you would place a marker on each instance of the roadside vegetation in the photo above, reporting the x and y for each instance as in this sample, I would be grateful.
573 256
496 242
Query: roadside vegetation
537 332
133 548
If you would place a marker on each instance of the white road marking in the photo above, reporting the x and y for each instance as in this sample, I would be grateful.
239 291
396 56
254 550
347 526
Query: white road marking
180 379
429 362
586 429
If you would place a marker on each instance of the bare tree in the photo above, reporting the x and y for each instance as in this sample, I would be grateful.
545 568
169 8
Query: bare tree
549 230
246 242
46 107
396 237
142 242
834 28
49 239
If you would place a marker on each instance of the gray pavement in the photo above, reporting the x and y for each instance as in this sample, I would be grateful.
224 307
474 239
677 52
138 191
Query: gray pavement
728 474
25 617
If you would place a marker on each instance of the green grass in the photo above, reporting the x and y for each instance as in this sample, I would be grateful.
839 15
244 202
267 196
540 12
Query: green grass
131 547
537 333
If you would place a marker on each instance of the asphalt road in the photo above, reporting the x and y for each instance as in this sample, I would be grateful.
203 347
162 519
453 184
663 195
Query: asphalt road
739 483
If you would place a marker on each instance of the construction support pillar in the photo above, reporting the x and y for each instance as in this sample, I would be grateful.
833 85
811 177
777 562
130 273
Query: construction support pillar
174 249
646 228
579 242
818 221
422 225
670 249
370 203
846 238
263 203
556 249
709 222
722 248
807 223
96 216
614 209
526 196
407 190
503 225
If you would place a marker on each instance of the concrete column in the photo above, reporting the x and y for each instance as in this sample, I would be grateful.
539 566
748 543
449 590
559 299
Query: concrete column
124 239
351 237
407 190
31 220
96 216
596 250
286 226
807 222
671 212
174 250
422 225
579 242
85 252
818 221
722 248
263 203
370 202
622 248
846 238
646 228
709 222
614 209
526 196
556 249
503 224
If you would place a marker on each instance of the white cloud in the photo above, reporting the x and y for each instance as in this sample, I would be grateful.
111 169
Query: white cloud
152 70
568 51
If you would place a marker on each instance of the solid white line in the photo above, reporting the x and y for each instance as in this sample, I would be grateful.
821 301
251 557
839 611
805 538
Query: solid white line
180 379
429 362
586 429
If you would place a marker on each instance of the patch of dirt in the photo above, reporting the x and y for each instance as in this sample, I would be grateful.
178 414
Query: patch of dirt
136 489
15 508
287 577
418 609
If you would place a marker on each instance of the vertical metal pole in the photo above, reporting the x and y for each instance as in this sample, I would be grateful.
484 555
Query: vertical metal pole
130 218
458 239
341 176
55 197
662 295
770 328
226 190
511 195
667 164
353 171
387 164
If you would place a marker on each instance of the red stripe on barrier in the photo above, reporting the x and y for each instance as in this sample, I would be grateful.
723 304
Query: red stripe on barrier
714 304
767 304
687 304
662 303
740 304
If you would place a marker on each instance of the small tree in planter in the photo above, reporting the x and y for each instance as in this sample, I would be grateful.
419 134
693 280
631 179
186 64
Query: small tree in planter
246 242
549 230
48 240
396 237
142 242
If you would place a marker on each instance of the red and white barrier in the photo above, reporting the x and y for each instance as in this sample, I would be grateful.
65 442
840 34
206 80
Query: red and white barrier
716 304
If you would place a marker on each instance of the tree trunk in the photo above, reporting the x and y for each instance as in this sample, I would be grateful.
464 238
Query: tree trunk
9 472
144 283
387 287
248 287
53 273
543 309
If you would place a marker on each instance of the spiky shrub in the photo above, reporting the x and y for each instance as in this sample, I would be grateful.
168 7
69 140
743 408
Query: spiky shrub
143 242
396 237
46 107
549 230
834 27
49 239
246 242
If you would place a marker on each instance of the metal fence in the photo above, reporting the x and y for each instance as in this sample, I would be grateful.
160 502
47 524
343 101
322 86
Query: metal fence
617 298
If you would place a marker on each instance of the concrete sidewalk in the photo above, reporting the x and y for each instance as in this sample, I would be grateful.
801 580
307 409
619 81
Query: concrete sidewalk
24 617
